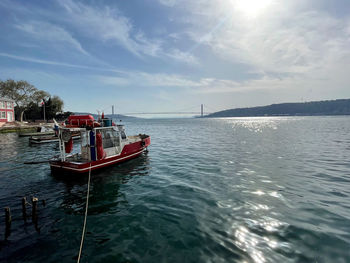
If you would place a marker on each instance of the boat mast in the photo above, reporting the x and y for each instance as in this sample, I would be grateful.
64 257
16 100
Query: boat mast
112 112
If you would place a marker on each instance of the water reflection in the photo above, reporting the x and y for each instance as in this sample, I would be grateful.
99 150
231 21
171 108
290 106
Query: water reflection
104 189
257 124
248 242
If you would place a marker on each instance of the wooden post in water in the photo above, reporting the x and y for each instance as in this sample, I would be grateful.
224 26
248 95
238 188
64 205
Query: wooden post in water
34 209
24 210
8 220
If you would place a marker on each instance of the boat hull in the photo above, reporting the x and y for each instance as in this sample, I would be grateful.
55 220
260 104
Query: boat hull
129 152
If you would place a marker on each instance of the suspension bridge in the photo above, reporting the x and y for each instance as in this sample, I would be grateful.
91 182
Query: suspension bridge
189 111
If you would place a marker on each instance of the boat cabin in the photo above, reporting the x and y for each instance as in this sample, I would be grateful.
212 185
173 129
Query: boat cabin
96 144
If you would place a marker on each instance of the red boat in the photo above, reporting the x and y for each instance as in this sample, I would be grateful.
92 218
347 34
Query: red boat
102 144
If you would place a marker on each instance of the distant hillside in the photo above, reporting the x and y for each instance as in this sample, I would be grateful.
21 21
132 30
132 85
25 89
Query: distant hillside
328 107
115 116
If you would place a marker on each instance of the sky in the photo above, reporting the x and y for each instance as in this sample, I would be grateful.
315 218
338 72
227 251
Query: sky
174 55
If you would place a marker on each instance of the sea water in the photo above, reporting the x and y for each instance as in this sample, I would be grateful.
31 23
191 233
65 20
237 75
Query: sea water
270 189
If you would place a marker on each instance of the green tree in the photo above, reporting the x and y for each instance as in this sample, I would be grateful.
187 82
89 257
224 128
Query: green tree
57 104
20 91
39 96
53 105
27 99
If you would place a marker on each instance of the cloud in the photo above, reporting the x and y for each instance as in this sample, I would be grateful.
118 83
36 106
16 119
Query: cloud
201 85
182 56
70 21
110 25
169 3
55 63
291 46
144 79
105 23
283 38
46 32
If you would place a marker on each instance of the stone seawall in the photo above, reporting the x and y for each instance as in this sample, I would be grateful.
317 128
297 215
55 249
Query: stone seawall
16 126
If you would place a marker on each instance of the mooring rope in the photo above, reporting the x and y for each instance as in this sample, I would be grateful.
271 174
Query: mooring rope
86 210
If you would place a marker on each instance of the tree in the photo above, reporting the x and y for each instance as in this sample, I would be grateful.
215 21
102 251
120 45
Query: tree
39 96
53 105
57 104
27 98
20 91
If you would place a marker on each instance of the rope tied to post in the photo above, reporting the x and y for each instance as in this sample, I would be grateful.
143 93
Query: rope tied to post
86 210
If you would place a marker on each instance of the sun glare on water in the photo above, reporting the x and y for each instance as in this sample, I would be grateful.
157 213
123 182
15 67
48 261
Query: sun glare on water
251 8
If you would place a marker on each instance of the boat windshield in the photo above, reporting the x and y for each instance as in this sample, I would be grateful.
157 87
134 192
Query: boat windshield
122 131
110 138
84 139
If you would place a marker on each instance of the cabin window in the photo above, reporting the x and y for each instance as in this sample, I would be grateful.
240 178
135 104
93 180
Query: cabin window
116 140
123 135
84 139
3 115
110 138
2 105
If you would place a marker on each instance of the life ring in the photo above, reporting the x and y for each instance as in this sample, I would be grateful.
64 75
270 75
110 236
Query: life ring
66 135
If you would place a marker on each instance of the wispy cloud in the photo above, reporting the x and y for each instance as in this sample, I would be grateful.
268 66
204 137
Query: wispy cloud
169 3
144 79
105 23
292 45
285 38
46 32
201 85
110 25
55 63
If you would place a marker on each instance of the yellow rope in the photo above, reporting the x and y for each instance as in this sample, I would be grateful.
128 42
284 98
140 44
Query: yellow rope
86 210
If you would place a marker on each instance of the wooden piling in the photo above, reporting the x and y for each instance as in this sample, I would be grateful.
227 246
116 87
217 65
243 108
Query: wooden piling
34 208
8 216
8 220
24 210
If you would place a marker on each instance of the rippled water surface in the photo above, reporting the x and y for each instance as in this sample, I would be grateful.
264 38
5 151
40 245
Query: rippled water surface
209 190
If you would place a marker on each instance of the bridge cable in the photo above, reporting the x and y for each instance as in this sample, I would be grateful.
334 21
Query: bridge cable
86 210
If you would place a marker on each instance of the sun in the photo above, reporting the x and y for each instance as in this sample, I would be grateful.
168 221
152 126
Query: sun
251 8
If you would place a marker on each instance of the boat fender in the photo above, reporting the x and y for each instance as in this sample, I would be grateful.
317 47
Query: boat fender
69 145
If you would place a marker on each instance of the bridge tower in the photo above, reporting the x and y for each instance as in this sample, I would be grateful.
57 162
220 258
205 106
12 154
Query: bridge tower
201 110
